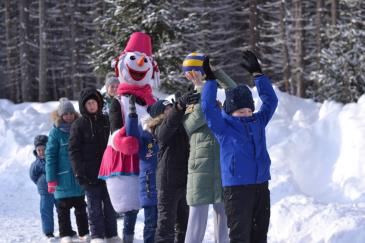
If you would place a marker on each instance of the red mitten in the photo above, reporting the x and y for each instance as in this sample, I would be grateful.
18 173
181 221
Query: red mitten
128 145
52 186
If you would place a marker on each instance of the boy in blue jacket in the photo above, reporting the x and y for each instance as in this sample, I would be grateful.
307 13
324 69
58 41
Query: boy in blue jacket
245 162
37 174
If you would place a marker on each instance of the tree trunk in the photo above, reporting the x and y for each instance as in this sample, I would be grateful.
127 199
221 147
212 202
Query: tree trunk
8 72
285 52
298 48
253 25
74 85
333 12
42 54
25 76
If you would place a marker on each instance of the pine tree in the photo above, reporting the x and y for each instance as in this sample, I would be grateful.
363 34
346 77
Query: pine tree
70 34
12 70
341 76
43 89
122 18
222 30
273 42
3 77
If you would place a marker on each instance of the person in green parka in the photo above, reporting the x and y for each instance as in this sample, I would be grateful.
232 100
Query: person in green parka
59 175
204 185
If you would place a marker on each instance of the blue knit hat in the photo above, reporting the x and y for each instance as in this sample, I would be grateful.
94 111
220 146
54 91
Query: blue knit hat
237 98
158 108
194 62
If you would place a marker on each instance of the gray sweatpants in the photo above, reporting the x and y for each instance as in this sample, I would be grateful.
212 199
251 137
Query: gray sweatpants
198 217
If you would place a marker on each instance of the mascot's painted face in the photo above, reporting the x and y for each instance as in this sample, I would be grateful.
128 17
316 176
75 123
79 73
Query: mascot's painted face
135 68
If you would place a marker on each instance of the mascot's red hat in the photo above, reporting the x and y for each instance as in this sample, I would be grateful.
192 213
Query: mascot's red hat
140 42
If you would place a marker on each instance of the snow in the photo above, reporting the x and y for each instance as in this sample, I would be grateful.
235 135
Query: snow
318 171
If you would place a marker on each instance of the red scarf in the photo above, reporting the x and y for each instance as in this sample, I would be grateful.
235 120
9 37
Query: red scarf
142 92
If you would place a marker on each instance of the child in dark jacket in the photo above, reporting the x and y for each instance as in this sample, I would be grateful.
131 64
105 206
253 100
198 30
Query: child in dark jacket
245 161
173 154
88 140
37 173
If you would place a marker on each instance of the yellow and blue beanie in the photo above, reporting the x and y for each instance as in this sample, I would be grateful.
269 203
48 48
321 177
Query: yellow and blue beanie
194 62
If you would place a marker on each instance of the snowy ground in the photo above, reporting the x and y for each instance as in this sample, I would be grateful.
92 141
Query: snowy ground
318 172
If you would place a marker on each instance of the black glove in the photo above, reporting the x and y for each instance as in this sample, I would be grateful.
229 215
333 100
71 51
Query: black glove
209 75
132 107
188 99
250 62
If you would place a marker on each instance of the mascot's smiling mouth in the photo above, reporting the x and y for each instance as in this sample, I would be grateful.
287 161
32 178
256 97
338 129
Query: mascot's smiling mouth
137 75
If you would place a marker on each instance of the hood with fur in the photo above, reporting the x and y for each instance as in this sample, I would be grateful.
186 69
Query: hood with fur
152 123
57 120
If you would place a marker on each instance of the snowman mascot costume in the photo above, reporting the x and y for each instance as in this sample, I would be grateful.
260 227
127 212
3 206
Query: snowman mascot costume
137 72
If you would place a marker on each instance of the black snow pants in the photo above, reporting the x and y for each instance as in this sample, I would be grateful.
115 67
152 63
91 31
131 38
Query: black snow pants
248 212
64 206
173 214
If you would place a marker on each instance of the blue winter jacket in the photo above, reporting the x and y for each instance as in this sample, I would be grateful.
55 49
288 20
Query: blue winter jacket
244 158
148 149
37 173
58 165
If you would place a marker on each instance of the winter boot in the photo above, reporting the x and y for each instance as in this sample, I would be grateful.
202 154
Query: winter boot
128 238
84 238
114 239
50 238
66 239
97 240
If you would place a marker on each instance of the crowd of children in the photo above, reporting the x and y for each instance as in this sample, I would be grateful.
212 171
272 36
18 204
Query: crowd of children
192 152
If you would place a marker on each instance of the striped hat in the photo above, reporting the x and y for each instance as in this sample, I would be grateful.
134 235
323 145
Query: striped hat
194 62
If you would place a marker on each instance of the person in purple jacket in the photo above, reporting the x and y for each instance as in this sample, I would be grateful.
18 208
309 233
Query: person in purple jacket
245 161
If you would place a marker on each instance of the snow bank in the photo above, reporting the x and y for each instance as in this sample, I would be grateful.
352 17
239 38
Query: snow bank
318 171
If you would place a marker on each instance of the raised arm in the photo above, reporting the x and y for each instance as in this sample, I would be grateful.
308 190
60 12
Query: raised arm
264 87
194 120
210 108
169 125
224 80
174 118
268 97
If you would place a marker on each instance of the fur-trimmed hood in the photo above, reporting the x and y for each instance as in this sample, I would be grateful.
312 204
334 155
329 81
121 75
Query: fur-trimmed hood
152 123
57 120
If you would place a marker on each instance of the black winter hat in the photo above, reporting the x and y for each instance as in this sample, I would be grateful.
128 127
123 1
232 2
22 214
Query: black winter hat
237 98
158 108
40 140
87 94
92 97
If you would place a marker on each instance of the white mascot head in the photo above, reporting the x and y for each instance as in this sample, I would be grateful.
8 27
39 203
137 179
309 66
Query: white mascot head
135 65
